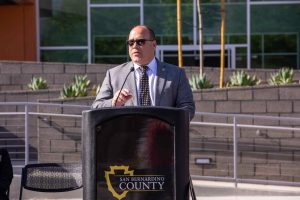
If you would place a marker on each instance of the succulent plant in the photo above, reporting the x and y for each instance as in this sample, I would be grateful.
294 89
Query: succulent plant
95 90
37 84
283 76
200 82
241 78
78 88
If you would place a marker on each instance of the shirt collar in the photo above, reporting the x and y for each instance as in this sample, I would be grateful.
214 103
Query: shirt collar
152 66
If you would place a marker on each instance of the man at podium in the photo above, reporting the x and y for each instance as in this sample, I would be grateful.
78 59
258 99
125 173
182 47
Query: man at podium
145 81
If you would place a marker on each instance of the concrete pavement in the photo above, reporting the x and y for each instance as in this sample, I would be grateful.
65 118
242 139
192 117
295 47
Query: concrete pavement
205 190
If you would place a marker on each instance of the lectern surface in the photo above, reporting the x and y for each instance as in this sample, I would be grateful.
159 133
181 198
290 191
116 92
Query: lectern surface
135 159
133 153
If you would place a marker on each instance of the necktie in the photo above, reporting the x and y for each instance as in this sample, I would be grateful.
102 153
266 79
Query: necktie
144 88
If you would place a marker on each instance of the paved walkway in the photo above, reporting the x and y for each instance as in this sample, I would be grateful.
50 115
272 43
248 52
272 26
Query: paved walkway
209 190
205 190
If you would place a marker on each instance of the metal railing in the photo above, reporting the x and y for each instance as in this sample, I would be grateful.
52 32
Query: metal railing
268 144
19 131
284 154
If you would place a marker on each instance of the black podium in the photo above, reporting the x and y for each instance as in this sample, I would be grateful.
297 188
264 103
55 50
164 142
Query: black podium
135 153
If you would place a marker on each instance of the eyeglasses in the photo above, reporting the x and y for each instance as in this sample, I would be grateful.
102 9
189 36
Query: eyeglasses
139 42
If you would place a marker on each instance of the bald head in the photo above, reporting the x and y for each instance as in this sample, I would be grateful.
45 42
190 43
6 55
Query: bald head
142 44
147 28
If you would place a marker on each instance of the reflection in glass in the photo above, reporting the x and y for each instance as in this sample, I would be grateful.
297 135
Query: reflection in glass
280 43
163 20
110 49
280 61
114 1
63 23
110 29
79 56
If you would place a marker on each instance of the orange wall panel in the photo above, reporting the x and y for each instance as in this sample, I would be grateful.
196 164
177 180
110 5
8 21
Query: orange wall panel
30 32
17 32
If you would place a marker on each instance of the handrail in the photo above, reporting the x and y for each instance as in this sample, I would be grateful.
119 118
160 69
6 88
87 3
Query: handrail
285 118
44 104
26 113
245 126
232 123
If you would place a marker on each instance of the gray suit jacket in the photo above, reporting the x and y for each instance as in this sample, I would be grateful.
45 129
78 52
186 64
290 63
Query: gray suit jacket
172 89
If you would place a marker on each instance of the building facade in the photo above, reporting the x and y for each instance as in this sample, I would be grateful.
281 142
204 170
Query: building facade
258 33
18 30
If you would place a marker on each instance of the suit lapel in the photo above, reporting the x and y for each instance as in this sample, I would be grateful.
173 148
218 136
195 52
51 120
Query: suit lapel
161 81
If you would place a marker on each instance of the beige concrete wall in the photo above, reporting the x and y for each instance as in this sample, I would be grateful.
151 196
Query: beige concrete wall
272 155
15 75
59 138
267 154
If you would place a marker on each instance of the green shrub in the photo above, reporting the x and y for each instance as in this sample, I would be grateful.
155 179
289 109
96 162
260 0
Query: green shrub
37 84
200 82
241 78
283 76
95 90
78 88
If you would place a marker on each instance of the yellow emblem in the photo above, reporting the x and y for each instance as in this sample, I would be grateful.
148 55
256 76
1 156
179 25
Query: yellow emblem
112 172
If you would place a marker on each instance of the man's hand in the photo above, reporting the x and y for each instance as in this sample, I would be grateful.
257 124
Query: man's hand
124 96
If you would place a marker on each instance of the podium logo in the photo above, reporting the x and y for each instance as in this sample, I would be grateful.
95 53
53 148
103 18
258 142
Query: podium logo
120 184
112 171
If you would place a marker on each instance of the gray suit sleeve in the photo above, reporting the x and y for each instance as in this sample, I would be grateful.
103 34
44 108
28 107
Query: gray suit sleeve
104 97
185 95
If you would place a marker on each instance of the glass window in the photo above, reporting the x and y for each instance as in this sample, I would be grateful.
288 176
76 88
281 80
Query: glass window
190 58
63 23
235 16
163 19
237 39
110 45
165 1
275 18
275 43
280 43
211 18
235 26
116 59
279 61
114 1
273 0
114 21
75 56
110 29
256 44
241 60
218 1
166 39
256 61
110 49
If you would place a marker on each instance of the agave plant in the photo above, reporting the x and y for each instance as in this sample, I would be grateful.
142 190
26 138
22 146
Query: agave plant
37 84
200 82
283 76
68 91
241 78
95 90
81 84
78 88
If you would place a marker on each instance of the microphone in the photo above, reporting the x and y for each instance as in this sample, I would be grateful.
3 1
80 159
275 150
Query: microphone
131 70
